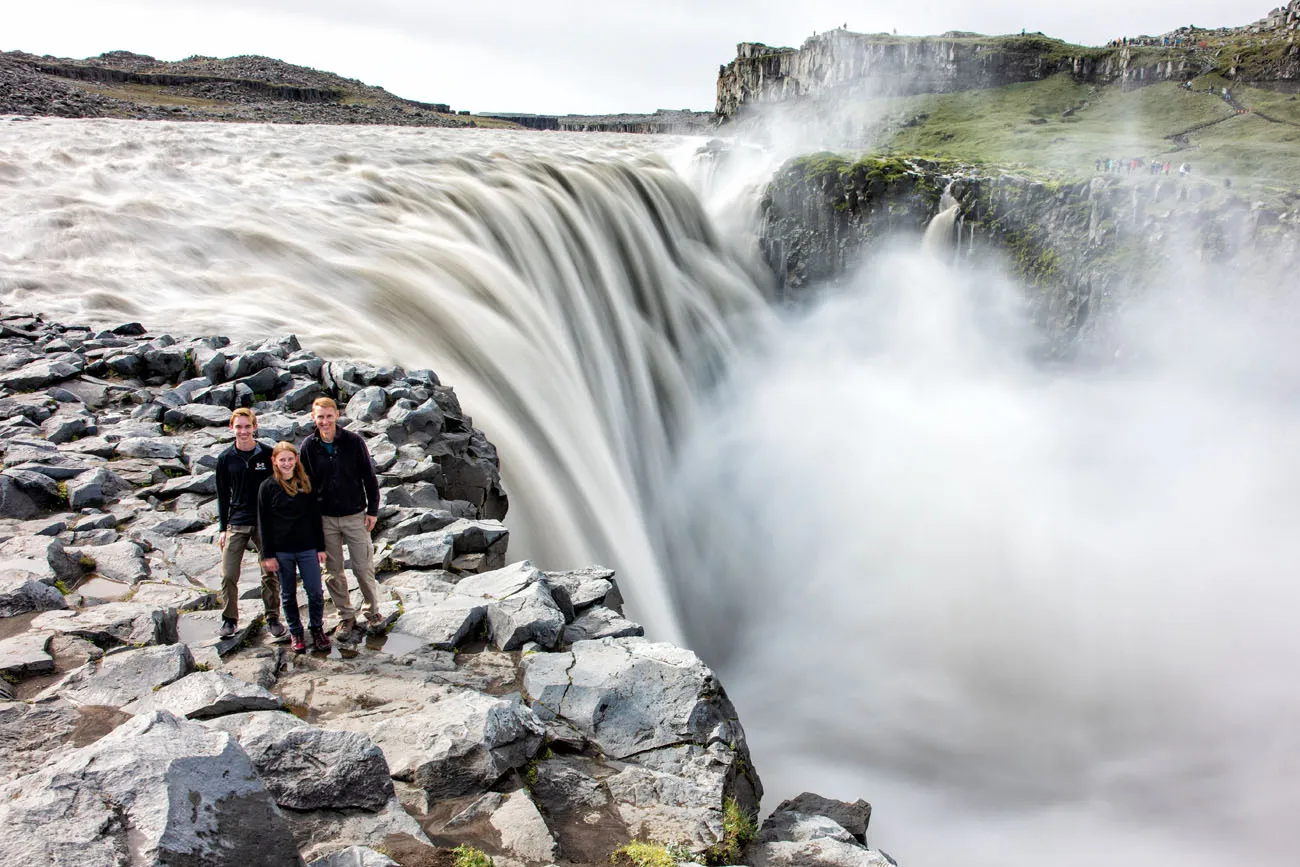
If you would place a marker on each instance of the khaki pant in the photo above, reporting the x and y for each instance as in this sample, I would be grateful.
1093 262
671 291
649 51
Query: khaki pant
238 540
350 529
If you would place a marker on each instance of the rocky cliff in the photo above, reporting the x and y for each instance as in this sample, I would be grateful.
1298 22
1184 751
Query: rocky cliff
248 88
839 64
1083 250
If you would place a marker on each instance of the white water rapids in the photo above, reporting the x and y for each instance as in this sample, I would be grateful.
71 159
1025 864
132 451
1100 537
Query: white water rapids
1036 616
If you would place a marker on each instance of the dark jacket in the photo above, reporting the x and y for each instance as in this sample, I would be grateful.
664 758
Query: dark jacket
239 478
289 524
345 481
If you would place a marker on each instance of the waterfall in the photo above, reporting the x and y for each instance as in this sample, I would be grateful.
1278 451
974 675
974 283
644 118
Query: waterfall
939 234
1034 615
578 299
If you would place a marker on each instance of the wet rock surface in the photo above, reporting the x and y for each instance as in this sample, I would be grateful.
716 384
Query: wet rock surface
498 706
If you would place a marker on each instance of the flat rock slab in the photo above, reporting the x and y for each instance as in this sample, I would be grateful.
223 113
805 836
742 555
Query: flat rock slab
522 829
26 654
182 598
310 768
120 561
118 679
443 619
113 624
167 790
206 694
596 623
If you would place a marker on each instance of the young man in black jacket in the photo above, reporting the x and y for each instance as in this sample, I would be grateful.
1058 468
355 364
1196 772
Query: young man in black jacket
343 477
241 469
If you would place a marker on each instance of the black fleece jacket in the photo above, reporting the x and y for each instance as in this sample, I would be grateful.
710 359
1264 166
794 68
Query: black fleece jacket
344 481
289 524
239 478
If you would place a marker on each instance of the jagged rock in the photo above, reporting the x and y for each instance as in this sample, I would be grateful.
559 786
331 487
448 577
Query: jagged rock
206 694
250 362
259 666
117 679
166 790
52 525
529 615
201 483
600 623
199 415
43 490
629 695
151 448
299 396
63 427
424 550
318 832
413 416
25 654
368 404
578 589
852 817
22 591
405 524
458 742
14 503
44 373
354 856
94 487
113 624
96 446
43 556
309 768
119 561
785 826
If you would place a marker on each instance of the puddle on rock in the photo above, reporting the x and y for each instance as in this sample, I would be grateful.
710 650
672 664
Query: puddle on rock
396 643
104 589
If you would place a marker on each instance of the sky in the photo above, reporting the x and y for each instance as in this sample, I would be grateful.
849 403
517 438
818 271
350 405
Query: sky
550 56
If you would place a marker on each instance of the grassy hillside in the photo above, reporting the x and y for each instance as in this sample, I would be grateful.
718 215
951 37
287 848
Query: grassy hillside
1061 127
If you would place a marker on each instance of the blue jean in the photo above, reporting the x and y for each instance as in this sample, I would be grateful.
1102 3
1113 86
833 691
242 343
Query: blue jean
306 564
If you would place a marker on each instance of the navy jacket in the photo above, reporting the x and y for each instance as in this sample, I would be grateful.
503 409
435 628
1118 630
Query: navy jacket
290 525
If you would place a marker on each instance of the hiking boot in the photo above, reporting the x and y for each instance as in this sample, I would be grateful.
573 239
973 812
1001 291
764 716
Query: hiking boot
376 625
275 627
297 643
319 640
345 629
228 627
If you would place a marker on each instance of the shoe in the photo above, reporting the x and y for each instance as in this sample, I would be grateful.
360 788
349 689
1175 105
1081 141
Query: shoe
345 629
376 625
297 643
319 640
228 627
275 627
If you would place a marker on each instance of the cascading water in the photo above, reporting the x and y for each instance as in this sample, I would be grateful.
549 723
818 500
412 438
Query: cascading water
1035 616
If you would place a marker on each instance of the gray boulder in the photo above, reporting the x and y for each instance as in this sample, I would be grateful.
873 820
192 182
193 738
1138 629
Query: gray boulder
119 561
66 426
443 619
94 487
461 741
424 550
206 694
21 592
309 768
164 790
368 404
600 623
852 817
820 852
14 502
528 615
113 624
152 448
43 556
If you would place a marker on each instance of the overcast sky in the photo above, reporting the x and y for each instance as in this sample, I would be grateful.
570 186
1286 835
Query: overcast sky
549 56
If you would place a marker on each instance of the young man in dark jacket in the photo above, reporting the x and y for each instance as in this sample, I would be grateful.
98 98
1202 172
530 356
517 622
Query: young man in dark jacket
343 477
241 469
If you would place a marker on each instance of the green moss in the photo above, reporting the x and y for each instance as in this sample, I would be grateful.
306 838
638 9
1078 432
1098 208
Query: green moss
468 856
63 491
738 831
61 587
640 853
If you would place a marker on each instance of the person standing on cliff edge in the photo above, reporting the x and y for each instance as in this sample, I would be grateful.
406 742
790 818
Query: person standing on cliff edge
343 477
241 469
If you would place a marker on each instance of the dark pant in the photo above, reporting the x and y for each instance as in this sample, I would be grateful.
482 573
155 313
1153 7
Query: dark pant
291 566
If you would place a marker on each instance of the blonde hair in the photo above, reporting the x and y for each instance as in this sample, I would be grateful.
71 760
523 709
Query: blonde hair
324 403
298 482
243 412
